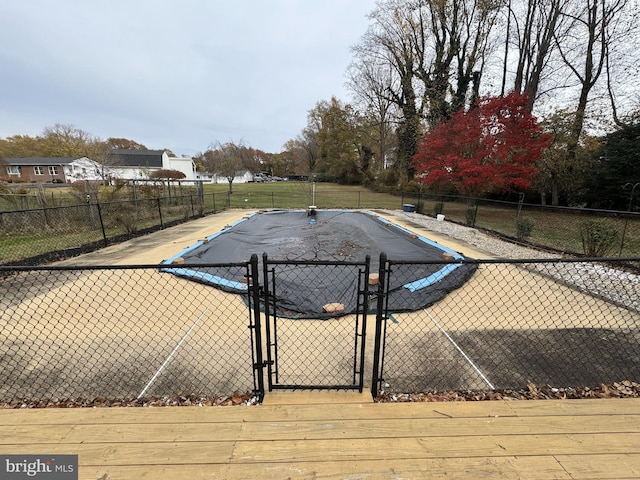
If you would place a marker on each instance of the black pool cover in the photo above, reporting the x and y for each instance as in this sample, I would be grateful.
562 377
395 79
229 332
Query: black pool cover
325 236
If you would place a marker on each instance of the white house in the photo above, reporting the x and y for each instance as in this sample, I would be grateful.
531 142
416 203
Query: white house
138 164
82 169
120 164
242 176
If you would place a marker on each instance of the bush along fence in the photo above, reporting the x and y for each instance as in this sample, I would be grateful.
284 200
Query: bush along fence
37 236
99 335
578 231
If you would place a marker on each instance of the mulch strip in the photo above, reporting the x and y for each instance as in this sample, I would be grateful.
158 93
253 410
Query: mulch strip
623 389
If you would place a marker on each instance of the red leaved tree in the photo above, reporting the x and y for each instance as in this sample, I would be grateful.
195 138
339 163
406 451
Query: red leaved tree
492 147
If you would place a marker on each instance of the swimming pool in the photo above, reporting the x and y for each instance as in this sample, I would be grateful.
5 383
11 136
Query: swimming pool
321 236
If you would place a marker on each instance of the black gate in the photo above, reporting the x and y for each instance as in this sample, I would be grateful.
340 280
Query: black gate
315 315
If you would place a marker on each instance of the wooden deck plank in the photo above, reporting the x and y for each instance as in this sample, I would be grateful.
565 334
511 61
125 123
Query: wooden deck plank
435 447
583 467
316 429
315 411
582 439
309 397
524 468
283 451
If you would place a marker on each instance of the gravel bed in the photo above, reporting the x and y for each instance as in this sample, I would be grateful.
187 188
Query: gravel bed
491 244
601 280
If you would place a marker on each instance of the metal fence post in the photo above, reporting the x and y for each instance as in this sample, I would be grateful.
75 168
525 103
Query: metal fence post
259 365
160 212
364 292
104 233
378 341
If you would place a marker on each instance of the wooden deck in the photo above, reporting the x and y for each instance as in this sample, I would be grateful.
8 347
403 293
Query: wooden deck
339 435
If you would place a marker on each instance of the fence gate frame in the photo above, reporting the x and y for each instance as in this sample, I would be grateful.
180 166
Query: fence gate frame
382 315
269 298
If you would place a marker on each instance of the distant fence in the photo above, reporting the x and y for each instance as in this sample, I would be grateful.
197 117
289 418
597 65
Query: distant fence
40 235
37 235
581 231
135 332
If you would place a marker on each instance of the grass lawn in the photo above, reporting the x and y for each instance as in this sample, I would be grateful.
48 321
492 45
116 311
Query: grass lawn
300 195
559 229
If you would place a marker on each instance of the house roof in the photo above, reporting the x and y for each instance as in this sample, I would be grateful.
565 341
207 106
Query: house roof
44 161
135 158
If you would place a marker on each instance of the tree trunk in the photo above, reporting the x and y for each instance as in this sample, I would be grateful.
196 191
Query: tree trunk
555 191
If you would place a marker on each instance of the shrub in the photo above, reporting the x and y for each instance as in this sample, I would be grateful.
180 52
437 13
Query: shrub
598 238
524 227
127 218
470 216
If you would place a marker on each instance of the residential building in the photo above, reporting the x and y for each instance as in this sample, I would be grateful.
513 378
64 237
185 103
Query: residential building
49 170
138 164
120 164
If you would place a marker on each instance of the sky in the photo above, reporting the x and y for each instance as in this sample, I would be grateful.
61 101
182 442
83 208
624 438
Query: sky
175 74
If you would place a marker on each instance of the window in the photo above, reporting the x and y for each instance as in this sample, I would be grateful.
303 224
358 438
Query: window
53 170
13 170
38 170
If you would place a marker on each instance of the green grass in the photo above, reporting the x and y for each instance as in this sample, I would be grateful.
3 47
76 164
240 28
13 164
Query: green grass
19 247
300 195
557 230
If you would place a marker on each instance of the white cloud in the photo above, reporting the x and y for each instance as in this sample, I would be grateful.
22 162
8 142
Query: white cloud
179 75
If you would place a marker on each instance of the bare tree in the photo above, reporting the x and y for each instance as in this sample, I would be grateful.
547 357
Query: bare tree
65 141
369 82
622 66
390 42
534 26
585 51
435 51
227 159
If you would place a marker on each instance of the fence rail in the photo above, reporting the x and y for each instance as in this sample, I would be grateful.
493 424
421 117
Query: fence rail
40 235
140 332
581 231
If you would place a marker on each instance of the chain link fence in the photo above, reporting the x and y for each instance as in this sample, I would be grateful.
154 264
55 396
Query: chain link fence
315 320
41 235
581 231
142 333
558 322
122 333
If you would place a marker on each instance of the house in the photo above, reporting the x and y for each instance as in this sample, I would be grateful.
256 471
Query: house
120 164
241 176
50 169
138 164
